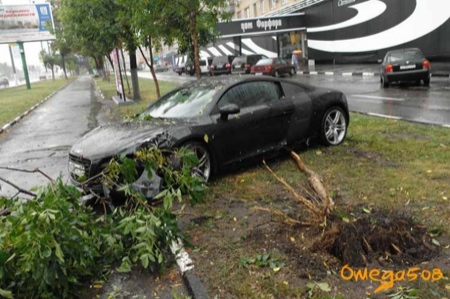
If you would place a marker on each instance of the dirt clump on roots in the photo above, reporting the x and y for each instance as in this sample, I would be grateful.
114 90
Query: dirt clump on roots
388 239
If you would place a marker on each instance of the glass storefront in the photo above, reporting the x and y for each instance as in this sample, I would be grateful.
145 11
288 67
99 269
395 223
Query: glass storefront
289 42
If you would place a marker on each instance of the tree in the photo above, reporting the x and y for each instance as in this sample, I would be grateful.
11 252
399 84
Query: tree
49 61
200 17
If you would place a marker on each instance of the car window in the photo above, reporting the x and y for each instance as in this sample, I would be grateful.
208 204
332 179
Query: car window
264 61
291 89
182 103
405 55
251 94
220 59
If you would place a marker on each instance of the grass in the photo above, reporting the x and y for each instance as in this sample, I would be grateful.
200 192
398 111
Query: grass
16 100
383 164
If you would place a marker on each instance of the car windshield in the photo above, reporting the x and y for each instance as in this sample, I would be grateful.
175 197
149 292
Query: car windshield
241 59
405 55
182 103
220 59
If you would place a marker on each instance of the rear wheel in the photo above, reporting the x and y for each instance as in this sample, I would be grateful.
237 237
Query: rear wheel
204 167
426 82
334 126
384 81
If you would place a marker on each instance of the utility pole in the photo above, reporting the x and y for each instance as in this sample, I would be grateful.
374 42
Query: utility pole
12 62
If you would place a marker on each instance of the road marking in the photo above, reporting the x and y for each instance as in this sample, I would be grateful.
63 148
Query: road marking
383 115
378 98
313 73
368 74
329 73
347 74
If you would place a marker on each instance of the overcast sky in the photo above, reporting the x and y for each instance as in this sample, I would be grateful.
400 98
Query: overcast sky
31 49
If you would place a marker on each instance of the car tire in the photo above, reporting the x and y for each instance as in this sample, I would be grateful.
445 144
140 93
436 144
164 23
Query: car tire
426 82
333 128
179 73
384 82
204 169
276 74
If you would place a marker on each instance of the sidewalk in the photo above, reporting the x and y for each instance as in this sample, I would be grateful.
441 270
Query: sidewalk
438 69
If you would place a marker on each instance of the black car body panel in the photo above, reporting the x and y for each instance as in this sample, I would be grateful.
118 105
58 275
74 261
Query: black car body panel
404 65
273 113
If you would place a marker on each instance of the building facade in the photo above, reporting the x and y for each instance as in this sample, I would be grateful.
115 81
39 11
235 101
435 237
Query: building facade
341 31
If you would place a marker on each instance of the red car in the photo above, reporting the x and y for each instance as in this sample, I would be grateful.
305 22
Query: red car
273 67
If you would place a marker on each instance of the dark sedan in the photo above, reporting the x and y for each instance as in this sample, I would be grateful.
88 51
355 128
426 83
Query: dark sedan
224 120
405 65
221 65
276 67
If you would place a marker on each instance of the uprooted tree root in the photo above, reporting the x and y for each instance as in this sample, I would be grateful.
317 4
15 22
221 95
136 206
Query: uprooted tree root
389 239
386 238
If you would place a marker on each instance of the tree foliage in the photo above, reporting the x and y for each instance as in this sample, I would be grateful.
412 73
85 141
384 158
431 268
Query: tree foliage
53 247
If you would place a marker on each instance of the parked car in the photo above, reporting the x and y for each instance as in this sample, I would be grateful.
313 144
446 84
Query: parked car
159 68
405 65
179 69
273 67
242 64
221 65
243 117
4 82
205 63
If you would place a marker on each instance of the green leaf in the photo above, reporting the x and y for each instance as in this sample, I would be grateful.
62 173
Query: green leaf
6 294
324 286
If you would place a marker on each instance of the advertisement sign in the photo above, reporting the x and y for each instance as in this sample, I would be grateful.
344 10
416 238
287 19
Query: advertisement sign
118 73
25 23
262 25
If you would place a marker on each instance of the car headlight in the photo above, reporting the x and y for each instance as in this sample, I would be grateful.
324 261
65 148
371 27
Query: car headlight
76 169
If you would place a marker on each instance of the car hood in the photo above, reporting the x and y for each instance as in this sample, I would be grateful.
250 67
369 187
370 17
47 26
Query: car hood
115 139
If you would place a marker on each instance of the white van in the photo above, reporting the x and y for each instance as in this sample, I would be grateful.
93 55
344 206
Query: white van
205 62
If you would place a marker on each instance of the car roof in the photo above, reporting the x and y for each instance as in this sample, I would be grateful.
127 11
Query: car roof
403 50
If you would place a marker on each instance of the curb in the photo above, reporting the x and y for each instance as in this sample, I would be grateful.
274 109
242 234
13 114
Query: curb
192 282
401 118
359 74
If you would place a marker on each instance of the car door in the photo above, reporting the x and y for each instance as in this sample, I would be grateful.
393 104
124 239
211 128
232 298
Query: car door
258 127
299 123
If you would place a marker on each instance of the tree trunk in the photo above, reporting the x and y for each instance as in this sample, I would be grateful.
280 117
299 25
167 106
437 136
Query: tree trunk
193 25
134 75
100 66
150 65
63 63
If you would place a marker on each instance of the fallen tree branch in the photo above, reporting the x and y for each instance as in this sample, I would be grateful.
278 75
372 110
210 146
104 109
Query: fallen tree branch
315 183
36 170
21 190
300 198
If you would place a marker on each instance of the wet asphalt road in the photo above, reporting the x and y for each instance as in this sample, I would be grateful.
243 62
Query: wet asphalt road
429 105
43 138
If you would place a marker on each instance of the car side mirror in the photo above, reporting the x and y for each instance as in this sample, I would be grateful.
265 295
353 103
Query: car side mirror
228 109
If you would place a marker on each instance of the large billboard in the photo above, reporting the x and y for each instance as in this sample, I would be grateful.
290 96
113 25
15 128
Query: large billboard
25 23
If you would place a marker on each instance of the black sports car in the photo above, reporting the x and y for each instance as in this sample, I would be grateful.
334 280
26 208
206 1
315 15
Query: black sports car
223 119
405 65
